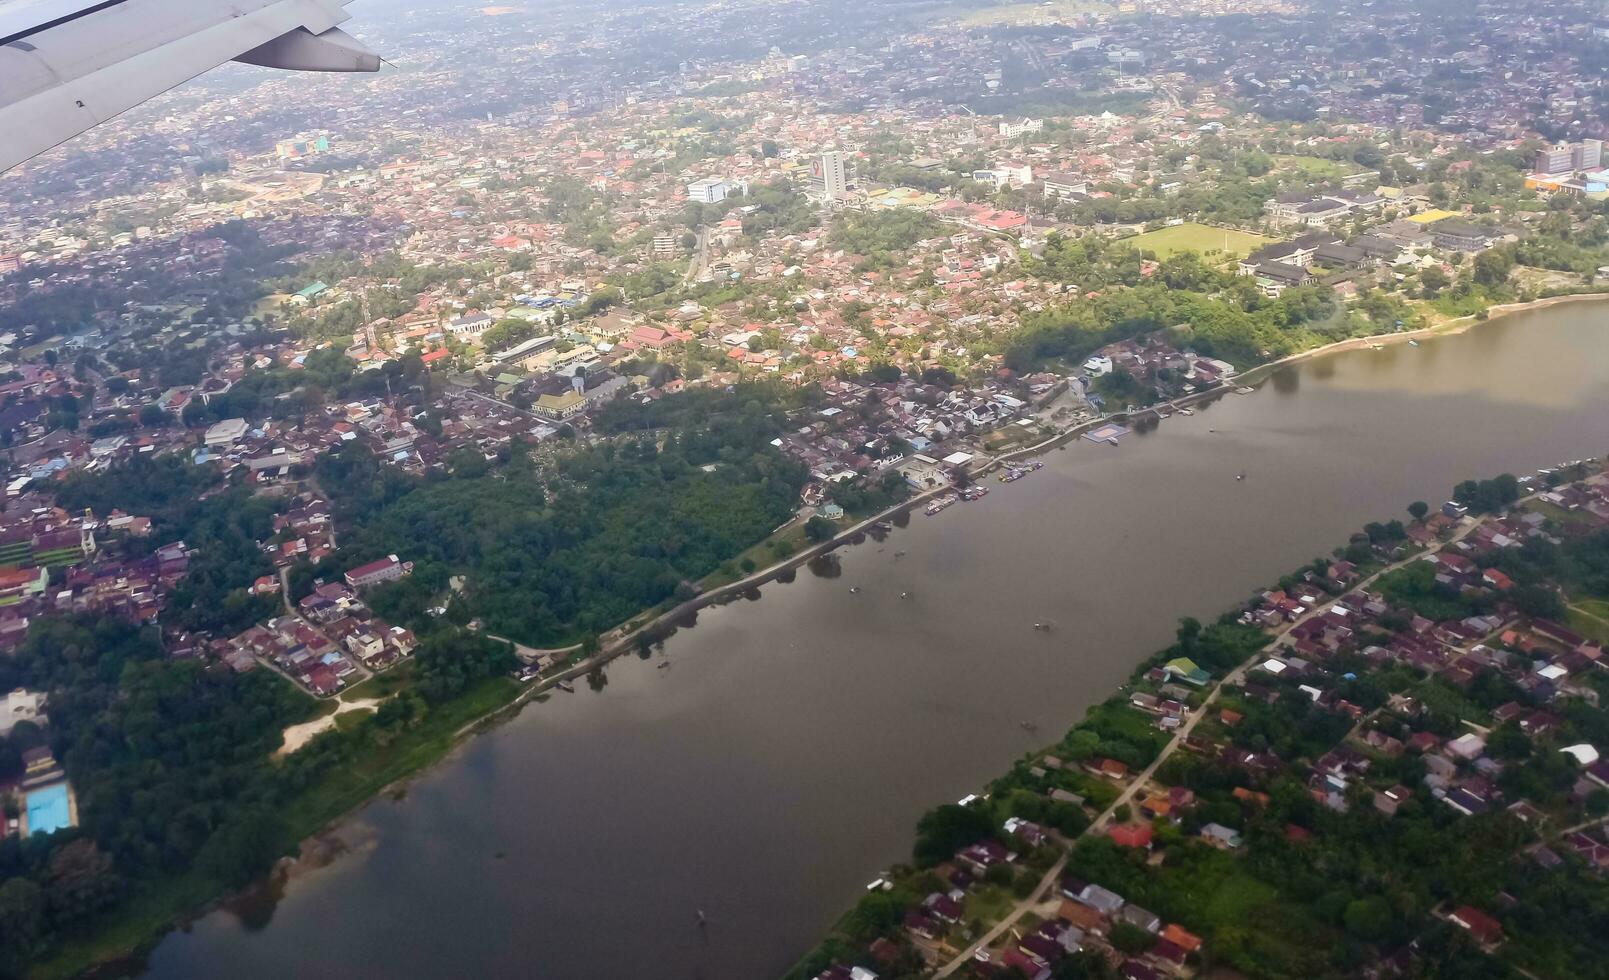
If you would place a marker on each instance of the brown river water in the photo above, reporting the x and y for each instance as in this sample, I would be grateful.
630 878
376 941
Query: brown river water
783 757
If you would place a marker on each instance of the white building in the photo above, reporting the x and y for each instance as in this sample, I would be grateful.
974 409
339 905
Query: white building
469 328
225 433
714 190
832 174
1012 128
1014 173
1065 185
18 706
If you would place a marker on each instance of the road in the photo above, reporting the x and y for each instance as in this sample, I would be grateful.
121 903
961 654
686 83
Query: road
1033 901
1234 677
529 654
488 399
364 673
701 257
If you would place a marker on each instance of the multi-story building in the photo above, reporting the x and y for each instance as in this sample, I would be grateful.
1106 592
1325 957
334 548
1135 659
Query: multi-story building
1064 185
832 174
1012 128
1570 157
1586 155
714 190
1554 159
386 569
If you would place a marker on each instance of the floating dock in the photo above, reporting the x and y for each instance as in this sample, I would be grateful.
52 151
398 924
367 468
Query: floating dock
1107 433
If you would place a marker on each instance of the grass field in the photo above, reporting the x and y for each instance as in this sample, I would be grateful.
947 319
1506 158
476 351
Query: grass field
1590 618
1191 237
1594 607
1564 517
1315 166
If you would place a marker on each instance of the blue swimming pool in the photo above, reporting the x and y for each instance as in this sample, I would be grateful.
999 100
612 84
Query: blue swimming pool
47 809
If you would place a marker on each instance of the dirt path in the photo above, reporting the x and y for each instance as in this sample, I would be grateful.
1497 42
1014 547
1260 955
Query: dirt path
297 736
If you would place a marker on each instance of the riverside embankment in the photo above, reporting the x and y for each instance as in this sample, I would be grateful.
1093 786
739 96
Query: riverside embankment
783 756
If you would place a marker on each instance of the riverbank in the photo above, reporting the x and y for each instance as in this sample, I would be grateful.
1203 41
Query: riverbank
924 634
324 807
1451 328
170 903
1261 372
1022 616
1058 806
1105 819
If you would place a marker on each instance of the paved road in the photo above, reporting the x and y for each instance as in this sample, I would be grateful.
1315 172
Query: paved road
1033 901
1233 677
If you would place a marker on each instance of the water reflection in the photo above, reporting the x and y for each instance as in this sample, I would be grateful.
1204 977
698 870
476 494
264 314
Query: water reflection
788 755
826 566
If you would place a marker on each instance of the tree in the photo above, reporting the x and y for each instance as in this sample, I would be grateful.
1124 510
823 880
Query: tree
819 529
243 847
1189 629
1506 742
946 829
1368 918
1130 938
22 917
1433 280
1492 267
1418 509
871 916
1537 601
81 881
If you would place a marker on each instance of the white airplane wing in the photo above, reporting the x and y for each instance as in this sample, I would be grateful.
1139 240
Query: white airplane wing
68 65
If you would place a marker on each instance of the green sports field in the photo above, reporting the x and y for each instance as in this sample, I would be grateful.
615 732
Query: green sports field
1191 237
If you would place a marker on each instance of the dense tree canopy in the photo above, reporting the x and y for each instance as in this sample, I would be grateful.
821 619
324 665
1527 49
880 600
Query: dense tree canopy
552 553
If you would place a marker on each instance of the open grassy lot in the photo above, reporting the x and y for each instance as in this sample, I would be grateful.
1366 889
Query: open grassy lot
763 554
1590 618
1315 166
1191 237
1593 607
381 685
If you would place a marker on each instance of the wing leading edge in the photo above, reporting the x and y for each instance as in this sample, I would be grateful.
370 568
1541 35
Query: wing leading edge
68 66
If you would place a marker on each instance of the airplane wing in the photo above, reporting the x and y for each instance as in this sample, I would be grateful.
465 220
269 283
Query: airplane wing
68 65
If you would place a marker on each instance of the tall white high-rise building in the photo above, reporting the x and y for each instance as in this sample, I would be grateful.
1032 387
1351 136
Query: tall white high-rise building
831 174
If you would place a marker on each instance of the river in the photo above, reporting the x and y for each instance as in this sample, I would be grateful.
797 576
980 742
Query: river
785 754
